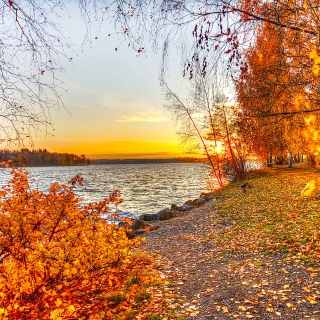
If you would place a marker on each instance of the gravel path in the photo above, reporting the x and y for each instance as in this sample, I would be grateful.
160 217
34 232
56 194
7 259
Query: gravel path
215 284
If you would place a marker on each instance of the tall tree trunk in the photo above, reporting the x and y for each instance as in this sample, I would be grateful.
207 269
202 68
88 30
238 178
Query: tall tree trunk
269 158
290 159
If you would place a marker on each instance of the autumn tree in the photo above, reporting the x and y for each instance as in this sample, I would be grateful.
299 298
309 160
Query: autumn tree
218 34
33 49
266 95
209 126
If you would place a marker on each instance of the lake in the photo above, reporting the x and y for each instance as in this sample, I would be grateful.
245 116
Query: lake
145 188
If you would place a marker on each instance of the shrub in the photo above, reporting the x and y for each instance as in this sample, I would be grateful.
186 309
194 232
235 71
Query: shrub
61 260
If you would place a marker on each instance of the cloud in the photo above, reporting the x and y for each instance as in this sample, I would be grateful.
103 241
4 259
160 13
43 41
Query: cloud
77 105
144 117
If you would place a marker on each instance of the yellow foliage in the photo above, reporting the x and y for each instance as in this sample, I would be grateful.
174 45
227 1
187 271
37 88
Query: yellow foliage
316 69
310 188
60 259
314 55
298 100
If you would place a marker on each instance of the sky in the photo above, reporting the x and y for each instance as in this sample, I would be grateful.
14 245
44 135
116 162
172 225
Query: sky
113 100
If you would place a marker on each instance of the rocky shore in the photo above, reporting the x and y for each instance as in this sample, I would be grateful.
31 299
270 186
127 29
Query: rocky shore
210 255
148 222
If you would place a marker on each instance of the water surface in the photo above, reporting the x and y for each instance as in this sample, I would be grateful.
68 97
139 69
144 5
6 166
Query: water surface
145 188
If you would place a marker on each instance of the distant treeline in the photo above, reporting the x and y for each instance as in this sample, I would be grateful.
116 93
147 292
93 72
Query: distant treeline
42 157
133 161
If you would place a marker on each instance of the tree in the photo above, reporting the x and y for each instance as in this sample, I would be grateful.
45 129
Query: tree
210 127
265 94
222 31
30 48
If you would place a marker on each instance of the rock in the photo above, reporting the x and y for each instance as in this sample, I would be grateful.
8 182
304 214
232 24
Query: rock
139 224
190 203
130 235
127 223
210 195
185 207
139 231
207 196
174 207
123 224
244 186
165 214
149 217
133 234
195 202
200 201
138 227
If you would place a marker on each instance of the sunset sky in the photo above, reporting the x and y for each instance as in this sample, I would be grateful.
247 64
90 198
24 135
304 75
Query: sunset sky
113 101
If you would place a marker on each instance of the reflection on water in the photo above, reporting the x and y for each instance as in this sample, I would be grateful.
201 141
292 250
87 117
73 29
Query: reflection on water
145 188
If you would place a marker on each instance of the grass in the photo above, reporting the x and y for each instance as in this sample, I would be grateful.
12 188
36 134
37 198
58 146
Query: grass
273 215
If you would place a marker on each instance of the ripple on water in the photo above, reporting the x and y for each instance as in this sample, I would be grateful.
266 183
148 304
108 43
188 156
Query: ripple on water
145 188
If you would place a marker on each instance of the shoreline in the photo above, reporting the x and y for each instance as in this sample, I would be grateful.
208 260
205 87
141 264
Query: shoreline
218 279
149 221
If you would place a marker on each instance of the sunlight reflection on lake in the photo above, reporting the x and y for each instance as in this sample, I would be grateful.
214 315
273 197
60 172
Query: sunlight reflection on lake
145 188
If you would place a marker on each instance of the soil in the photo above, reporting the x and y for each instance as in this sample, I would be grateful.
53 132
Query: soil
217 284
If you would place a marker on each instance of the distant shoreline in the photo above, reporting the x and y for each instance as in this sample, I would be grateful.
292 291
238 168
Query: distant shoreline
120 161
145 161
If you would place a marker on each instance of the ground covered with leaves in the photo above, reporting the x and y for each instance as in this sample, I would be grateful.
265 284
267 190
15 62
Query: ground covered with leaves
63 261
245 256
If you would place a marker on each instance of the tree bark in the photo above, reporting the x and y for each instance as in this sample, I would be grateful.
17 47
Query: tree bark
290 159
269 158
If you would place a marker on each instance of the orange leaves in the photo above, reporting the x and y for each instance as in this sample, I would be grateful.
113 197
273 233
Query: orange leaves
311 134
75 180
298 101
61 260
316 59
316 69
314 55
5 163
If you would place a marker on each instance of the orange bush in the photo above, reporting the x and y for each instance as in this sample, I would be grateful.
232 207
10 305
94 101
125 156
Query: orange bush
60 260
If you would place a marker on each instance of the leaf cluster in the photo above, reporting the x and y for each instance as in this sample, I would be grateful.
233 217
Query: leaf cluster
62 260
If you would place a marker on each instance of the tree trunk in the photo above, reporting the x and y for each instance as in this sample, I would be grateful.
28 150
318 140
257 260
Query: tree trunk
269 158
290 160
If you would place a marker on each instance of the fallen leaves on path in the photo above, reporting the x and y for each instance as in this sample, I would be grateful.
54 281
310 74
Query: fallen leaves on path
201 257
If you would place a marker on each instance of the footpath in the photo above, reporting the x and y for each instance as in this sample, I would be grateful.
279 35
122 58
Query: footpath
221 262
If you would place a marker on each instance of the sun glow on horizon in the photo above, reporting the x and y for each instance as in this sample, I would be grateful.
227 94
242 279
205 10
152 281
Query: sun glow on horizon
115 149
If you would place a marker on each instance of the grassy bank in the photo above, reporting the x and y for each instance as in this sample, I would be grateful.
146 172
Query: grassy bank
273 215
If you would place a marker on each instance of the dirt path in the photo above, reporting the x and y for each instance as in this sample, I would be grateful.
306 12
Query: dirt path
218 285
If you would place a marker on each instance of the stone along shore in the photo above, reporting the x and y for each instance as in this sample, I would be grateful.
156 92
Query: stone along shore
146 222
